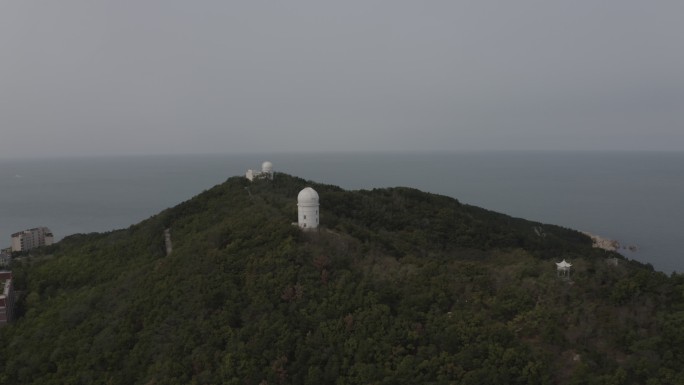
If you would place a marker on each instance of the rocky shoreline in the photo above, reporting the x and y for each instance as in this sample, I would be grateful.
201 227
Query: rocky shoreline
609 244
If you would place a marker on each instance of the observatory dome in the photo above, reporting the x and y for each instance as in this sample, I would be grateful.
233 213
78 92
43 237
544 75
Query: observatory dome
267 167
308 196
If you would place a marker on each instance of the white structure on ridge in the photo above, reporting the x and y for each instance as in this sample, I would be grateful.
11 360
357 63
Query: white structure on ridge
265 173
307 208
267 168
563 268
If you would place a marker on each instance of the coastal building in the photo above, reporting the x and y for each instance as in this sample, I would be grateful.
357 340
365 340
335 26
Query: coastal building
32 238
6 298
265 173
307 208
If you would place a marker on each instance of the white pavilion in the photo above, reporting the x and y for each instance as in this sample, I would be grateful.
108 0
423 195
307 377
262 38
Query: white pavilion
563 268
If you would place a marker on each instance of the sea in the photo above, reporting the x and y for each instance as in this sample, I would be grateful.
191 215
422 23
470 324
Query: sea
636 198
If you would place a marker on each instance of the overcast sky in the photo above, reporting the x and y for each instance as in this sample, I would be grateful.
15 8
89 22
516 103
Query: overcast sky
149 77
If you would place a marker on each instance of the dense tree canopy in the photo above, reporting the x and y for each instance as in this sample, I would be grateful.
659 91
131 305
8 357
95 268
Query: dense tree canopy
397 287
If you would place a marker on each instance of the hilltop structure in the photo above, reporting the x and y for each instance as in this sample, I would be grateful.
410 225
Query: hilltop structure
32 238
6 298
265 173
307 208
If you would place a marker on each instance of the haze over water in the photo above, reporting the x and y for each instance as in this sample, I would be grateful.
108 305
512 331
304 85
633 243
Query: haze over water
634 197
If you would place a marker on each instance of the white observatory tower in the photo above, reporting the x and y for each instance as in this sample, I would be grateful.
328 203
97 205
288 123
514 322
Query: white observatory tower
307 203
267 170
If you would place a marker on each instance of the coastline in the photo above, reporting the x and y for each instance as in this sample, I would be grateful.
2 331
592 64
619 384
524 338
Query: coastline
603 243
567 189
607 244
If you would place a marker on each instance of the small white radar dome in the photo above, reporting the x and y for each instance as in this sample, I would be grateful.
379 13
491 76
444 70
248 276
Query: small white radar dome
267 167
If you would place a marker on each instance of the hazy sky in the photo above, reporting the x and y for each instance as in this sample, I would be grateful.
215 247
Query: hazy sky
134 77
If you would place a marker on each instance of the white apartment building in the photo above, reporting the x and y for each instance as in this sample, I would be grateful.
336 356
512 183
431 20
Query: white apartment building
31 238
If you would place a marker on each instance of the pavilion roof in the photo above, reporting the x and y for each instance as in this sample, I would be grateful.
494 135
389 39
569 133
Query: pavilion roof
563 264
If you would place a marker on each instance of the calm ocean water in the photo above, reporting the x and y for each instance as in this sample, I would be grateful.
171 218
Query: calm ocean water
636 198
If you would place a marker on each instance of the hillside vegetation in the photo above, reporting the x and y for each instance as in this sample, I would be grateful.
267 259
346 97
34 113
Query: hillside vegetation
398 287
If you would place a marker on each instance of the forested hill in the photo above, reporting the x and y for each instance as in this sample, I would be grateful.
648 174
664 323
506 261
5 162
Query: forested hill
398 287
